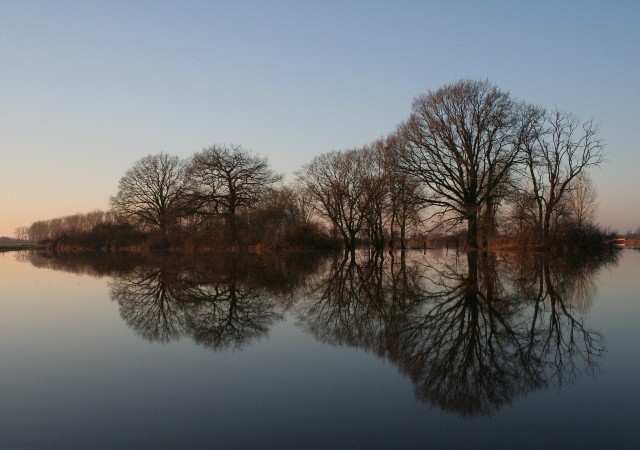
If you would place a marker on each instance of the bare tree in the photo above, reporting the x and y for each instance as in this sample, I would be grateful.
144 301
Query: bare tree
462 141
150 194
560 150
335 183
22 233
404 191
225 178
582 200
375 180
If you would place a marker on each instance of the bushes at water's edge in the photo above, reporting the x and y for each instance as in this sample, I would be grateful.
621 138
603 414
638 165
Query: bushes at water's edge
568 239
113 236
104 236
310 236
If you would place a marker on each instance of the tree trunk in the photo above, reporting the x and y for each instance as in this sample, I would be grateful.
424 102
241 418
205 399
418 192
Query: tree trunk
352 240
546 226
471 289
392 232
487 223
232 227
472 228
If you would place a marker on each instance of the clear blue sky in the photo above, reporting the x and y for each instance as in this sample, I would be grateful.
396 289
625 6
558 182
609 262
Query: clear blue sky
88 87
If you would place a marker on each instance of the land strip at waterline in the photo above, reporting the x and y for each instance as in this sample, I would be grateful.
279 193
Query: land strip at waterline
15 247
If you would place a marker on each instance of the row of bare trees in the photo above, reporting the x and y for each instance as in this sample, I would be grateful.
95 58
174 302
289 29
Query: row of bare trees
468 155
213 194
75 224
224 194
363 191
160 190
476 148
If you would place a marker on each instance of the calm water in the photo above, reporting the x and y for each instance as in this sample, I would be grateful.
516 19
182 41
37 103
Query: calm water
420 351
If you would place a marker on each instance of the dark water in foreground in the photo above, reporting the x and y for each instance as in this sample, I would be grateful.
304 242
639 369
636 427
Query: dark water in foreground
420 351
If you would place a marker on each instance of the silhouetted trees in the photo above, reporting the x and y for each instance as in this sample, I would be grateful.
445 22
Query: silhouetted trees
461 142
469 155
67 227
340 191
404 191
224 179
364 194
557 153
150 194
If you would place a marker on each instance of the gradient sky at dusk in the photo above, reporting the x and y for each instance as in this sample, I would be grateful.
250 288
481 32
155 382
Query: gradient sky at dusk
88 87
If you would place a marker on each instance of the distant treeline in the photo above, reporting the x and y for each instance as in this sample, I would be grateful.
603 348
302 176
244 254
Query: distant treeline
470 162
9 243
5 240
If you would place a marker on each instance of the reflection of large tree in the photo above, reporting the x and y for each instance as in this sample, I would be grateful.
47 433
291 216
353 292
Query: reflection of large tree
226 312
471 340
559 292
217 305
149 302
462 348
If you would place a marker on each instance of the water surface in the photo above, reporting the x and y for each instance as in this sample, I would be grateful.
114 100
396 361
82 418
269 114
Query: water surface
317 351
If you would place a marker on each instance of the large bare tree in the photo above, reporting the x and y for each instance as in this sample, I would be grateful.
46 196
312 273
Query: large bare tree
150 194
462 140
225 178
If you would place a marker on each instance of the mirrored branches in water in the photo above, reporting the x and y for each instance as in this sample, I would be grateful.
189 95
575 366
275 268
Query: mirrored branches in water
220 303
355 300
469 334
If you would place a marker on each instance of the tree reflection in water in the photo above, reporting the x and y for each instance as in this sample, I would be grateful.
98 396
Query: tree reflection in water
218 302
358 301
472 333
470 340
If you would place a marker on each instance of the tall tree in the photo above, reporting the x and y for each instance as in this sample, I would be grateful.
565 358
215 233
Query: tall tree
339 191
375 180
562 147
405 196
150 194
462 141
226 178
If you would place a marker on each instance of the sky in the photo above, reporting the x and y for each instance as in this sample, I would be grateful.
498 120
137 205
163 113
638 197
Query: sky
89 87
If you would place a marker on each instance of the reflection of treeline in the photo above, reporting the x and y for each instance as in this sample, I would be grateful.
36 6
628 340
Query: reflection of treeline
223 302
353 299
470 159
220 301
471 332
95 264
277 273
